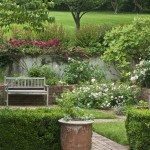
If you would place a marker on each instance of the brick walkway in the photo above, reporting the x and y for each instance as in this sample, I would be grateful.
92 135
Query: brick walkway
102 143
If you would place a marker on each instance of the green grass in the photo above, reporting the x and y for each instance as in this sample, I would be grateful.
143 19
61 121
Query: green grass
96 18
97 114
113 130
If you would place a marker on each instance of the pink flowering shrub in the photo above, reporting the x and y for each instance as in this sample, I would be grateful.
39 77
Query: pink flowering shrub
40 44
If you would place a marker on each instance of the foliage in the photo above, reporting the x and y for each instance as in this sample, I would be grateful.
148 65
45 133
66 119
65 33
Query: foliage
141 74
113 130
44 71
53 31
116 5
39 44
79 71
143 104
32 12
128 44
92 36
103 96
30 129
138 129
67 104
20 32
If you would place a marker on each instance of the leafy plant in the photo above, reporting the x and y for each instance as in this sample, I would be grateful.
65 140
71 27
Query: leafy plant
91 37
32 12
141 74
44 71
127 45
79 71
53 31
72 112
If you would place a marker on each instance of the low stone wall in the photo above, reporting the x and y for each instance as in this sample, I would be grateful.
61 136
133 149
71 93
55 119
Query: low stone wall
35 100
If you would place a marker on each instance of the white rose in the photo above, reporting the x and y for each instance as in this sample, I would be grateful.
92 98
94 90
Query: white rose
93 80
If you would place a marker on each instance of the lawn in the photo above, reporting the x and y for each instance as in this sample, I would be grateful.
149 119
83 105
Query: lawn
99 114
113 130
95 18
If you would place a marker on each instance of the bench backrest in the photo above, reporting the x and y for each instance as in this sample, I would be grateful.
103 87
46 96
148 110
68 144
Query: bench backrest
24 82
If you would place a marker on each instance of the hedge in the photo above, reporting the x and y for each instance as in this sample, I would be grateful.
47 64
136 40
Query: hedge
29 129
138 129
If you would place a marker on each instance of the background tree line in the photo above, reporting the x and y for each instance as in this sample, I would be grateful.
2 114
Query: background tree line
137 6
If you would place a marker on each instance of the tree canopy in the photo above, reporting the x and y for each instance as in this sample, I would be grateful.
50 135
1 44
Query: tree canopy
32 12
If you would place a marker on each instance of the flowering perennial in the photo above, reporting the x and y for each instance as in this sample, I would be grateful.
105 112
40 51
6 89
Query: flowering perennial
104 96
141 74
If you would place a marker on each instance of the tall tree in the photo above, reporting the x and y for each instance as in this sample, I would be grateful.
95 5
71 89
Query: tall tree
115 5
33 12
138 5
79 8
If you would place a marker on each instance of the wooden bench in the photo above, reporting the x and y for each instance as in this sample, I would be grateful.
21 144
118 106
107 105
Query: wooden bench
25 86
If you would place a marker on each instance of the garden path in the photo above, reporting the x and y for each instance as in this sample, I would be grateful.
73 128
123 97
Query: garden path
102 143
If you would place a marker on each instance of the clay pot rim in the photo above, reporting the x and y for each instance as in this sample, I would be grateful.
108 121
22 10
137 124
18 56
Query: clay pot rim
74 122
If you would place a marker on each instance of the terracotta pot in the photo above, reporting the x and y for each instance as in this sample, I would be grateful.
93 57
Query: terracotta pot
76 135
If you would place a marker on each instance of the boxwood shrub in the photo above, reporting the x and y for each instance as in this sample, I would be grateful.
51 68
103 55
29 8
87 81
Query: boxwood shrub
29 129
138 129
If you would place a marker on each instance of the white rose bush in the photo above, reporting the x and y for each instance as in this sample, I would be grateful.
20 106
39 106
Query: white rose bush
141 74
103 96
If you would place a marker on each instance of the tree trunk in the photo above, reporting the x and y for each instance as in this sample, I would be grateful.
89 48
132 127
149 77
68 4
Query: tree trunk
138 6
114 4
77 18
77 24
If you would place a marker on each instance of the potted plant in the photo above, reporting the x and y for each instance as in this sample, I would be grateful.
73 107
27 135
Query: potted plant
141 77
76 127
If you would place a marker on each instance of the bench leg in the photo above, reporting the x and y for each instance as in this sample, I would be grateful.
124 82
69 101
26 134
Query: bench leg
7 99
47 99
47 96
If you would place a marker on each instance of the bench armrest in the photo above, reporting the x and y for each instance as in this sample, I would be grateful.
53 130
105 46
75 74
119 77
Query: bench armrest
6 87
46 87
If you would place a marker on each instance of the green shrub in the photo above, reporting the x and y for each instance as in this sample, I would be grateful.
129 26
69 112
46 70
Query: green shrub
53 31
21 32
44 71
29 129
138 129
92 38
78 71
127 45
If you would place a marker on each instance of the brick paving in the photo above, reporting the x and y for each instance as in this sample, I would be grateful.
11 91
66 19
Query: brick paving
102 143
